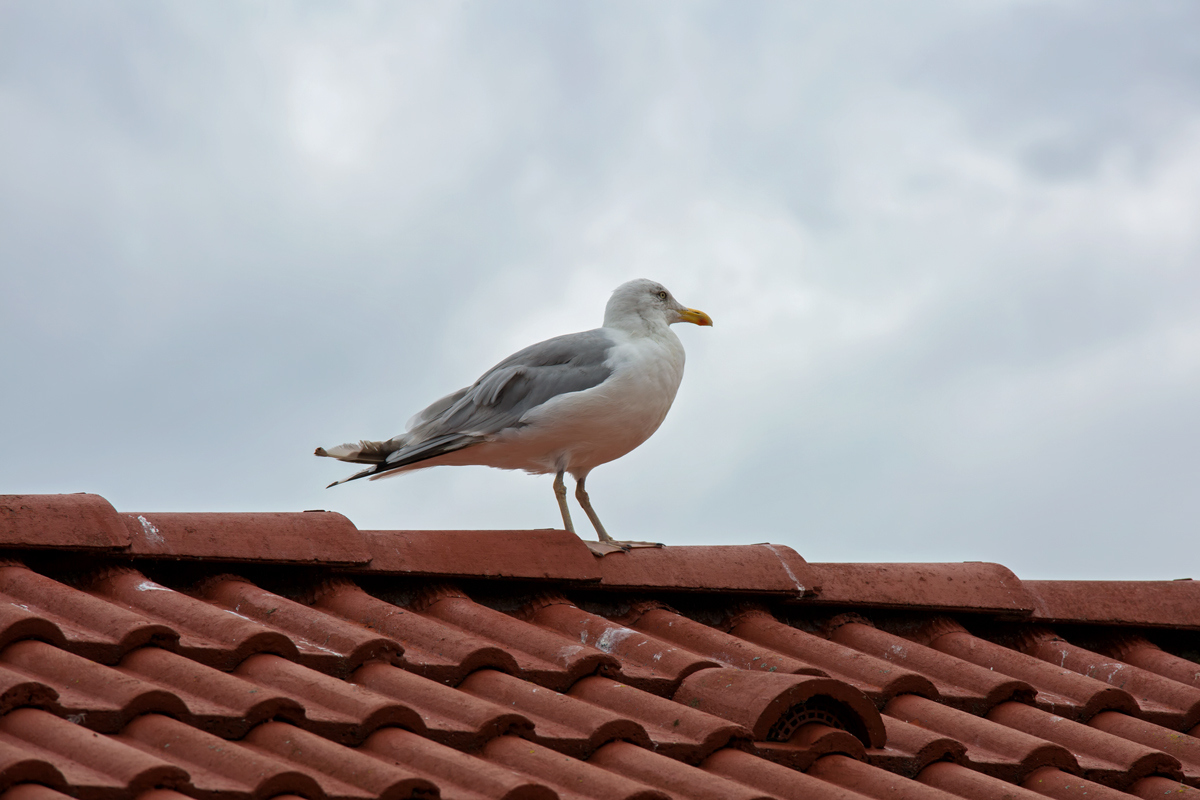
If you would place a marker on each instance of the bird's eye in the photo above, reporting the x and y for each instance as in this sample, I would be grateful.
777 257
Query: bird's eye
662 295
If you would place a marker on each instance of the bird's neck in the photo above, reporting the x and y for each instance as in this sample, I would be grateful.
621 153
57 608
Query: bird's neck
637 325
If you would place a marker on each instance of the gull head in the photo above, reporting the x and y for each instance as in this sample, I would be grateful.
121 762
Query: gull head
647 303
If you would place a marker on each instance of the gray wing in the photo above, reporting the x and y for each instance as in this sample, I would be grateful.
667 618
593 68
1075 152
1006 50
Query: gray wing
498 400
519 383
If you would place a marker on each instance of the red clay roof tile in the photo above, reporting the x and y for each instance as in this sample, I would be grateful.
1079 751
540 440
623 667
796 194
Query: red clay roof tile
323 641
1139 652
95 767
543 656
431 648
19 689
973 586
1061 785
18 622
871 781
644 660
451 717
746 569
529 555
1160 700
1102 757
215 701
996 749
774 705
88 626
34 791
570 777
341 771
1167 604
333 708
960 684
1059 691
19 762
775 780
97 697
217 768
876 678
675 729
810 742
972 785
1182 747
710 643
318 705
1159 788
561 722
66 521
458 776
214 636
309 537
670 776
910 748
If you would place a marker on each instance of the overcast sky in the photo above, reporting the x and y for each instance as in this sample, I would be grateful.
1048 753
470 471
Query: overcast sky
951 249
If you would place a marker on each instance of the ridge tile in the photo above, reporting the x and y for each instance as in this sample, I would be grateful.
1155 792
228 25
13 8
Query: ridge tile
307 537
546 554
971 586
60 521
1154 604
747 569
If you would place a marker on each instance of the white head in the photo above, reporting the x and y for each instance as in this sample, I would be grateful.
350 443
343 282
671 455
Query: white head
646 304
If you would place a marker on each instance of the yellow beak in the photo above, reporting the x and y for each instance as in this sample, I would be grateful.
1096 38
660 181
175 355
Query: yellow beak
696 317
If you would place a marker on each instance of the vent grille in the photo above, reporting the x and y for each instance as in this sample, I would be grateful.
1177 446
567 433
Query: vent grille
815 709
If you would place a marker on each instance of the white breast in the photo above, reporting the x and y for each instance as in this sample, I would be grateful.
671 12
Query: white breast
579 431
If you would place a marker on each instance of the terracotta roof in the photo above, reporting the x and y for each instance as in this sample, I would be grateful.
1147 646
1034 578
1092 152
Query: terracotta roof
251 656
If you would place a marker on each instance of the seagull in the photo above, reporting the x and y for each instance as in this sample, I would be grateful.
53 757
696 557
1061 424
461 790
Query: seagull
565 405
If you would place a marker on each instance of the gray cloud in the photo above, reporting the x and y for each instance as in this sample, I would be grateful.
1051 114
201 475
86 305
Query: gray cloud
950 252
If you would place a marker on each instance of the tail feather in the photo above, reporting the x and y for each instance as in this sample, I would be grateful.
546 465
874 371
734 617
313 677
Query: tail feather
365 452
392 455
